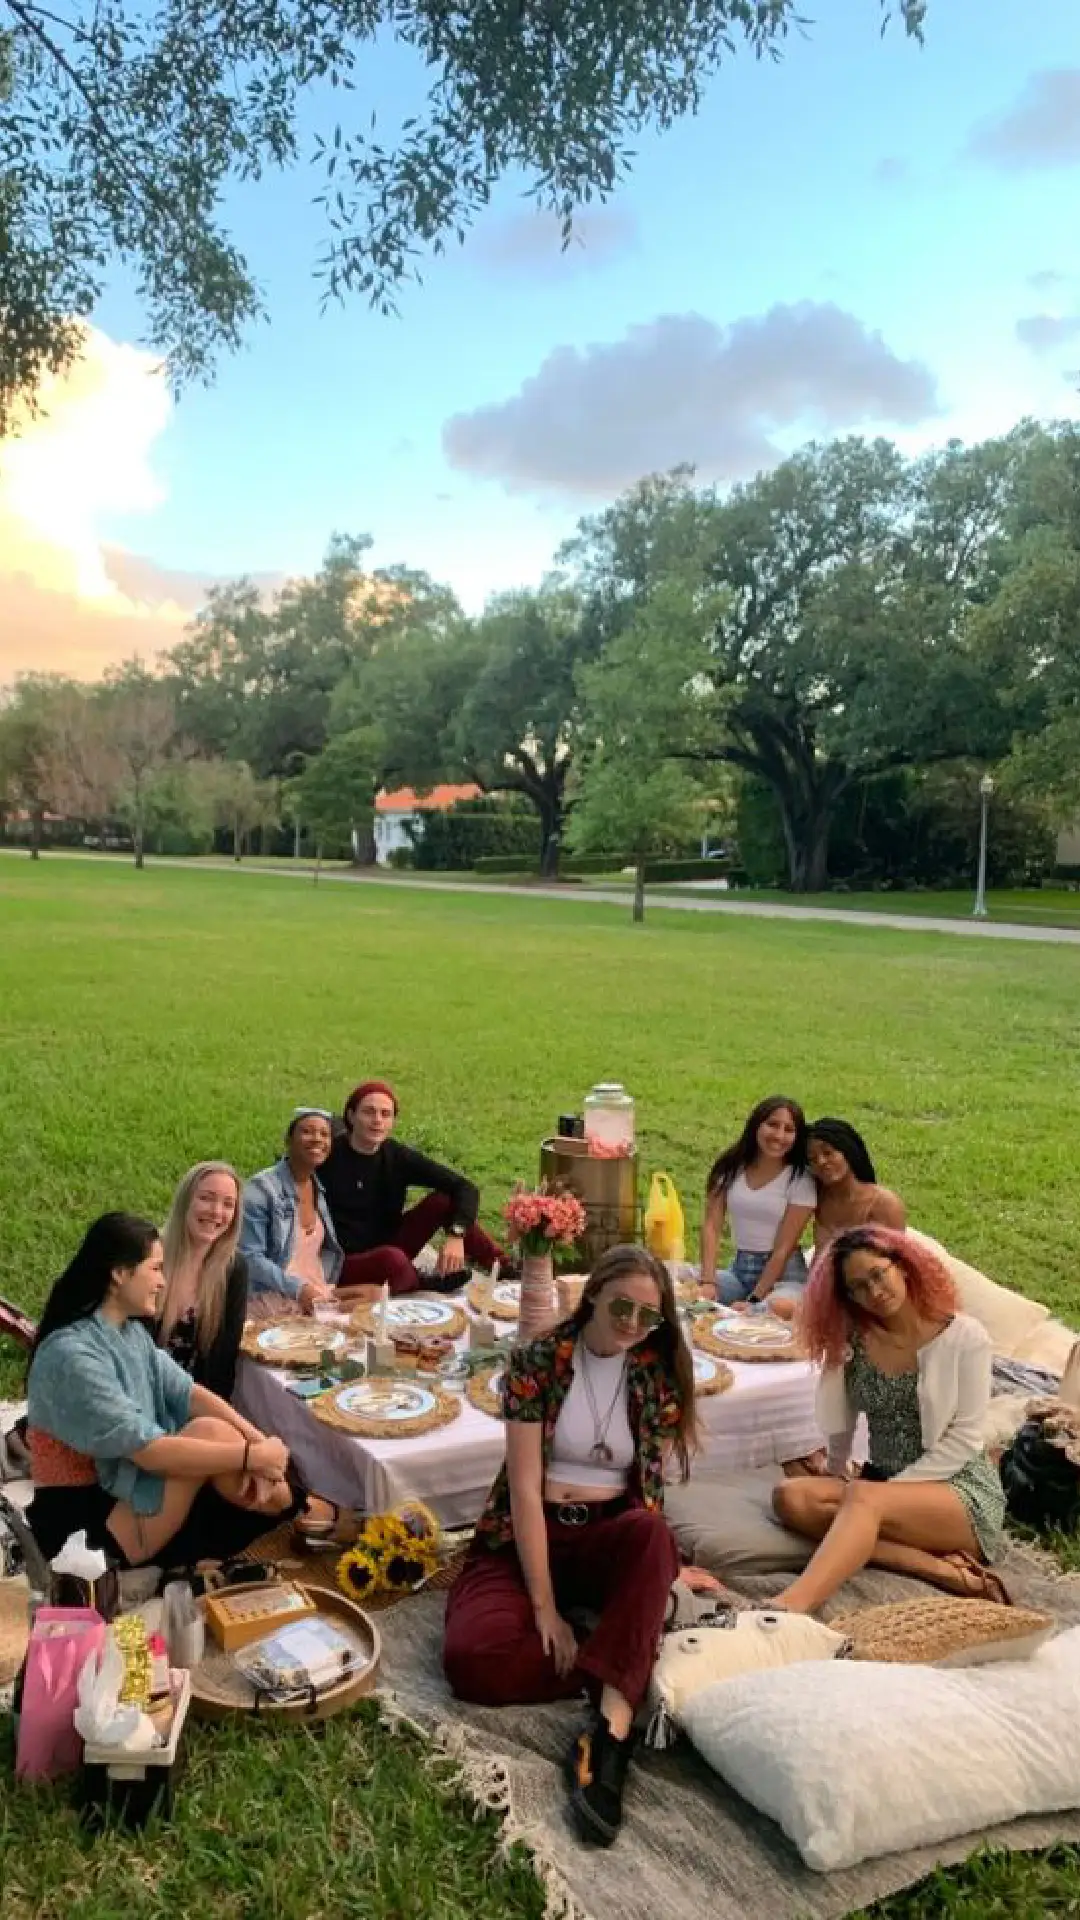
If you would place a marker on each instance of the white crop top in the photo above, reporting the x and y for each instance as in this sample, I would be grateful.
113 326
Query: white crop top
755 1213
575 1429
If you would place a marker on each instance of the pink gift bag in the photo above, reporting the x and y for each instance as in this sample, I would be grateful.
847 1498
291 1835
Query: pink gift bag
62 1640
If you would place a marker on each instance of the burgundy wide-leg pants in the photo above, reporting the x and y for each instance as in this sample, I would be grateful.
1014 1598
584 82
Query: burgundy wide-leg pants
394 1261
621 1568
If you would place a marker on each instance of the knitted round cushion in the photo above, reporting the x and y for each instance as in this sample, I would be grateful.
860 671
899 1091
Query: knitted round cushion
944 1630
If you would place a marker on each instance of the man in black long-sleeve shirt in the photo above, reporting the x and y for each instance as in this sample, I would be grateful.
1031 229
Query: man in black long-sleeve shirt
367 1180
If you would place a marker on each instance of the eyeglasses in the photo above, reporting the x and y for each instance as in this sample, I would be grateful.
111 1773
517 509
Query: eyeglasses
876 1282
624 1312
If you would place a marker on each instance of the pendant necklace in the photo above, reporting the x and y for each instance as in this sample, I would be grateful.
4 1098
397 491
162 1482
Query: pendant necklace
600 1452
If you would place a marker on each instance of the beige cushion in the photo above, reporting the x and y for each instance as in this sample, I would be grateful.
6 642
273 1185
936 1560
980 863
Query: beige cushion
944 1630
1049 1346
728 1526
1009 1319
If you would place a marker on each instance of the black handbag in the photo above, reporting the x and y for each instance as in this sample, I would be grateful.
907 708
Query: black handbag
1042 1485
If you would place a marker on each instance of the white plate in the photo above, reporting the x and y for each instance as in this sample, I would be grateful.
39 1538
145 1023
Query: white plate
432 1314
299 1337
743 1332
704 1368
507 1293
386 1400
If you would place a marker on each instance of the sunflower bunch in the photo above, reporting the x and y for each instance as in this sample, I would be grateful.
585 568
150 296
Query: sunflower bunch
394 1553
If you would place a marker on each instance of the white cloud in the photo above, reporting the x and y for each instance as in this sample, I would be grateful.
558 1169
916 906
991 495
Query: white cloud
1043 332
530 242
1041 130
593 420
68 601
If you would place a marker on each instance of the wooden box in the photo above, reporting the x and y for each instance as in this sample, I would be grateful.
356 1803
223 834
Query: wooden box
235 1618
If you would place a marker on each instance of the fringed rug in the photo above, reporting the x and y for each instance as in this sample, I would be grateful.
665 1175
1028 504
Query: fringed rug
689 1847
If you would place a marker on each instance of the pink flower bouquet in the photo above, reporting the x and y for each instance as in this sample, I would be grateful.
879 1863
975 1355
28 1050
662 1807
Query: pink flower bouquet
544 1219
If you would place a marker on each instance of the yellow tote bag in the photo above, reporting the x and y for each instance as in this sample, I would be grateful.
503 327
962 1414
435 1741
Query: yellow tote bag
665 1228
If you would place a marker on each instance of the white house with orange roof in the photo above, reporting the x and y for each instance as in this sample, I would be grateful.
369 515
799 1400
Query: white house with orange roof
394 812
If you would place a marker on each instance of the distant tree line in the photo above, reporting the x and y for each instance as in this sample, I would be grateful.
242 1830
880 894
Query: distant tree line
817 665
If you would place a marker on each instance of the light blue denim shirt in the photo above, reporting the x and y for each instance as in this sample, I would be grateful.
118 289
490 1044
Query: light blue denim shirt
270 1224
108 1391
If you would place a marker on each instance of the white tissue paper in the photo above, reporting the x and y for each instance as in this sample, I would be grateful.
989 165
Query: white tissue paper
79 1560
99 1717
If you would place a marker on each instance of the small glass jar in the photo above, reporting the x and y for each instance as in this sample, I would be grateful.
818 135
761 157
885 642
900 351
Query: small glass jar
609 1121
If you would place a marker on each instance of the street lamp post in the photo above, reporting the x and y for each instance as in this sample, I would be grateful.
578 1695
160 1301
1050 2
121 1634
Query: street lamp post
986 788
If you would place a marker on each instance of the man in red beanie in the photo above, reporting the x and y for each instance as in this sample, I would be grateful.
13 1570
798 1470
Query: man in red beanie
366 1181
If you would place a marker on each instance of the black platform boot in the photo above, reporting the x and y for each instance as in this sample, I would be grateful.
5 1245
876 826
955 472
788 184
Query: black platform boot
596 1772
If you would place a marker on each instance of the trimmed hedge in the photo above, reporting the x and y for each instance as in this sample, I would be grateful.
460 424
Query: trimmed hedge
504 863
657 871
595 862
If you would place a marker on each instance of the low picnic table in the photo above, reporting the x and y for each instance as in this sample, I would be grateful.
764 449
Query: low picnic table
765 1417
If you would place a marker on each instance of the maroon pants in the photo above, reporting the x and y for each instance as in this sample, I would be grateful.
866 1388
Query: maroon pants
620 1568
394 1261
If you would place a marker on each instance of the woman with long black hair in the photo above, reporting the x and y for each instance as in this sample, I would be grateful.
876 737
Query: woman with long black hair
759 1187
848 1194
575 1519
123 1443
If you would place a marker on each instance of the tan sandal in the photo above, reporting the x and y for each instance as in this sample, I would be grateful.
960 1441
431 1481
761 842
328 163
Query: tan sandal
339 1531
979 1582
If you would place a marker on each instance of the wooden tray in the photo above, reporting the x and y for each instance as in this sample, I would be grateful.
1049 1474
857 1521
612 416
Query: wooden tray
219 1690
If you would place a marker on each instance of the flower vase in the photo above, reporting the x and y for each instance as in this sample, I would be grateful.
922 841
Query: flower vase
539 1307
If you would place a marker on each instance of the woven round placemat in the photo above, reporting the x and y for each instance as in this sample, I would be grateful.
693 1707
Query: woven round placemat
453 1323
481 1298
447 1407
479 1393
709 1334
718 1381
942 1626
14 1627
305 1343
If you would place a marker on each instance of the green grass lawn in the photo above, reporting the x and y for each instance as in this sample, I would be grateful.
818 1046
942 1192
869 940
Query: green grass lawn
150 1020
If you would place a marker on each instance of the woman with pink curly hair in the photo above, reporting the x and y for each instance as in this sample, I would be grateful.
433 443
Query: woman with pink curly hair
880 1315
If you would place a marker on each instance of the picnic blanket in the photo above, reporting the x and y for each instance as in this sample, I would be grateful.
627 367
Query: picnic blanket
689 1846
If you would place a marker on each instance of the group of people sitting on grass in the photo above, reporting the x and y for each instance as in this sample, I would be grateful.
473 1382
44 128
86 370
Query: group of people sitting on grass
134 1438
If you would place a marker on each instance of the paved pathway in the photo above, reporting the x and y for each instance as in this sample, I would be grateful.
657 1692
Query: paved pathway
607 896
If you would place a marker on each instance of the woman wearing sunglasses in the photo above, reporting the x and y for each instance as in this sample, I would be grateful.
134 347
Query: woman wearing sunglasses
288 1236
574 1521
881 1316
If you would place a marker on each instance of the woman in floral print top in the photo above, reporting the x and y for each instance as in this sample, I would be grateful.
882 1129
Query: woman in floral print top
575 1521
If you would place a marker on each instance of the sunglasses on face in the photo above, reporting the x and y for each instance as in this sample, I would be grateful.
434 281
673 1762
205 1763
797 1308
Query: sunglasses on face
625 1312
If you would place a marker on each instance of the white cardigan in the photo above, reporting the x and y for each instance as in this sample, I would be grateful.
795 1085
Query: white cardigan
954 1393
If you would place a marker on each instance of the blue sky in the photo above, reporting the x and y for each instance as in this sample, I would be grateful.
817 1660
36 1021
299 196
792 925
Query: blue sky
724 308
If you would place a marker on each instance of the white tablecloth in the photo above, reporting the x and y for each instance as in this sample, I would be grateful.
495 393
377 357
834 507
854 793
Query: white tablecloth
768 1415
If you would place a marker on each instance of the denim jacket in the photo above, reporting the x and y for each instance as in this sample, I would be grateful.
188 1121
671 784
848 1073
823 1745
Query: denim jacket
271 1219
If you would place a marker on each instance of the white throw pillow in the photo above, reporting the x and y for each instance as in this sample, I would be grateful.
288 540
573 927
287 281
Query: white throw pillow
747 1642
1008 1317
855 1759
